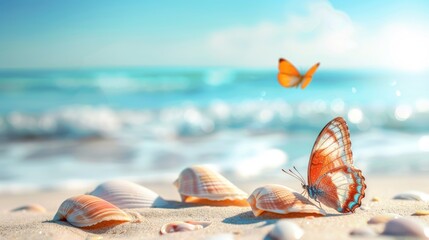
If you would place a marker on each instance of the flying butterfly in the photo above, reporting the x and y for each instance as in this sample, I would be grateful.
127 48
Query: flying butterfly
332 178
289 76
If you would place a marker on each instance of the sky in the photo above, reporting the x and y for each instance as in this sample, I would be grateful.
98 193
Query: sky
383 34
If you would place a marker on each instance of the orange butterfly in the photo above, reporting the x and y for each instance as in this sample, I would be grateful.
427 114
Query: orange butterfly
289 76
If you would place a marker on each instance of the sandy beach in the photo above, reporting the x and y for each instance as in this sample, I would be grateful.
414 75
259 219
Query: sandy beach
238 221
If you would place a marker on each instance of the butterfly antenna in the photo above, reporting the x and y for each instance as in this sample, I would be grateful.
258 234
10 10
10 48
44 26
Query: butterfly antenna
303 179
292 174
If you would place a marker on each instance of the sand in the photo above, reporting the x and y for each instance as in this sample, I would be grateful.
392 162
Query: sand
238 221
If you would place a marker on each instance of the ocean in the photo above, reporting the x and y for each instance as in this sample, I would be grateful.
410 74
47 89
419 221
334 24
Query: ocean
65 128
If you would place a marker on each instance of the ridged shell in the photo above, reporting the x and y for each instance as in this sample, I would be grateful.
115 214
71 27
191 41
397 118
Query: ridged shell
124 194
180 226
413 195
30 208
286 230
281 200
90 211
200 184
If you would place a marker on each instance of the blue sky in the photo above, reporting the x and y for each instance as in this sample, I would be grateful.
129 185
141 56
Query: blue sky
340 34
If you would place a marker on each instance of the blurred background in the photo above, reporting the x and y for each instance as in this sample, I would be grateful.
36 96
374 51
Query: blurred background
139 90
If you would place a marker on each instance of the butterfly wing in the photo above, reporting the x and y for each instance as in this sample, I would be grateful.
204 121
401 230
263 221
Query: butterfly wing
331 172
288 75
306 79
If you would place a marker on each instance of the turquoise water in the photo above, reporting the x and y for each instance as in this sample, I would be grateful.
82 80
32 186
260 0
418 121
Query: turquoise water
73 126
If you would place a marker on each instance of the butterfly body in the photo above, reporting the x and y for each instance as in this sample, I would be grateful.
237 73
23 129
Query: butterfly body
332 178
289 75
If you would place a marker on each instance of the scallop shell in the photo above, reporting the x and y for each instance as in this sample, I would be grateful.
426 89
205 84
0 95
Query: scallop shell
406 227
90 211
286 230
30 208
200 184
124 194
281 200
413 195
180 226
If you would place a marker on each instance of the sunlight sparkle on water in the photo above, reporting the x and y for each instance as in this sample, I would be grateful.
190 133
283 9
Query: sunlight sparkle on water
403 112
355 115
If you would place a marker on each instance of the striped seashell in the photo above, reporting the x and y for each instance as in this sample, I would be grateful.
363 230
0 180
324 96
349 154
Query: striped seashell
90 211
180 226
202 185
279 199
124 194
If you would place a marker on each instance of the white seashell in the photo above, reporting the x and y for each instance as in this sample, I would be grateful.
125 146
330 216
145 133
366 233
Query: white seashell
281 200
180 226
124 194
286 230
30 208
413 195
90 211
363 232
199 184
406 227
383 218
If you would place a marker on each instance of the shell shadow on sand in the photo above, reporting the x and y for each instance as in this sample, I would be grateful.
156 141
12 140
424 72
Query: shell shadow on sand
249 218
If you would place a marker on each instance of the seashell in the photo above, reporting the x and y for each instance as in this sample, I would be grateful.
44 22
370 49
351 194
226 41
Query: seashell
363 232
406 227
90 211
124 194
30 208
281 200
421 213
200 184
180 226
413 195
286 230
382 218
375 199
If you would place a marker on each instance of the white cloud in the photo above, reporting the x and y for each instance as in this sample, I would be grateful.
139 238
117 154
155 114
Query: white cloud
322 34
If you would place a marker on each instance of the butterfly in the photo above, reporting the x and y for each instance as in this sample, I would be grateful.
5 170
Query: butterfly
289 76
332 178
